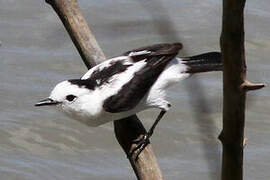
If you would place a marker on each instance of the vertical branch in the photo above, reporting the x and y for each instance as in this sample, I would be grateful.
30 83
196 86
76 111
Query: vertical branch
128 129
234 74
235 86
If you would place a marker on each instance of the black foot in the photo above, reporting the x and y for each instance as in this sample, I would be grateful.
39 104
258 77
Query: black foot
141 144
144 141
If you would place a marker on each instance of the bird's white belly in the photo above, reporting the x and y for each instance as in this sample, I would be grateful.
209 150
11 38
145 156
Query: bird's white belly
105 117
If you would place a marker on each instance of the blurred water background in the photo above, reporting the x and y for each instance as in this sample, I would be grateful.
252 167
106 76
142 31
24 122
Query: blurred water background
36 53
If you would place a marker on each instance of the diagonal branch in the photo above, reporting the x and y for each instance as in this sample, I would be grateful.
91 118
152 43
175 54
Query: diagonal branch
79 32
128 129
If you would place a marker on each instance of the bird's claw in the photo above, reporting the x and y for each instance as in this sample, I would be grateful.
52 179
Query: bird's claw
141 143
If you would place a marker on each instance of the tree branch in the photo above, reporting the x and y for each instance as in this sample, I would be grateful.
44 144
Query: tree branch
146 166
79 32
234 98
128 129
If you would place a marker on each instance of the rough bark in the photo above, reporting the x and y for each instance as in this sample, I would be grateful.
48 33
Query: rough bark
146 166
235 87
128 129
80 34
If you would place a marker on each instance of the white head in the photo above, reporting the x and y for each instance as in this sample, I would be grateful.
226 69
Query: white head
70 98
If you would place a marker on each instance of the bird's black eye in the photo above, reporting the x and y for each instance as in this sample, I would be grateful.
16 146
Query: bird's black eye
70 97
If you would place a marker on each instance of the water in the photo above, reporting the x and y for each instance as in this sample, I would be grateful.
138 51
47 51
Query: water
36 53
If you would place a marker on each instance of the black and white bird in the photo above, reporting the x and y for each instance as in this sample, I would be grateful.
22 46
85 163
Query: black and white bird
125 85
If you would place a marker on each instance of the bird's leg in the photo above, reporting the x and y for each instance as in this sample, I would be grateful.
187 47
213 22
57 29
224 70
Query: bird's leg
144 141
151 130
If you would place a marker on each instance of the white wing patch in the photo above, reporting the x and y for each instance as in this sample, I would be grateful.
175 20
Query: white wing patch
105 64
137 53
121 79
116 82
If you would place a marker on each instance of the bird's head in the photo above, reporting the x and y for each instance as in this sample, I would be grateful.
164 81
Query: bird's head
67 96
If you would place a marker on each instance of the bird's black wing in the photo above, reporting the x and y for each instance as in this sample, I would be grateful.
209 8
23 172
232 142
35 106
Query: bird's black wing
156 57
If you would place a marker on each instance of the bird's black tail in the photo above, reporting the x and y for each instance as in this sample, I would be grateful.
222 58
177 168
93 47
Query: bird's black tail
210 61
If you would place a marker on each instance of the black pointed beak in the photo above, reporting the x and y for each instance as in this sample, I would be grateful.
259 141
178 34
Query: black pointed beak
47 102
